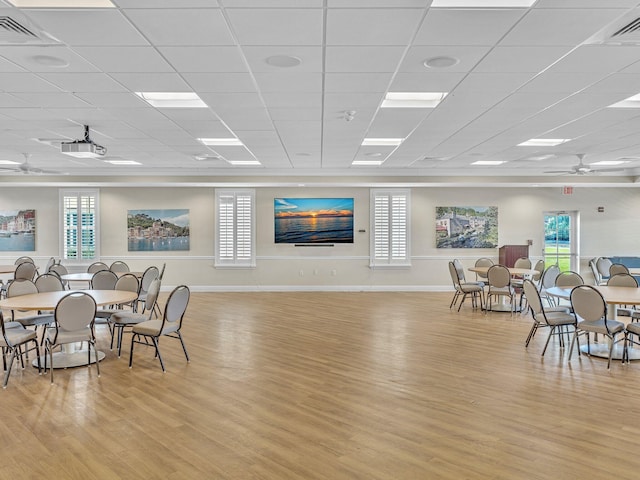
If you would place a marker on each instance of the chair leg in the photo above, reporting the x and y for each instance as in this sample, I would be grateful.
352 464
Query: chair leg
184 348
8 371
155 344
95 351
131 350
532 333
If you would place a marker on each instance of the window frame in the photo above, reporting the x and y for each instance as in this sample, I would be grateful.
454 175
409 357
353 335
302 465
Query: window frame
235 260
78 193
389 260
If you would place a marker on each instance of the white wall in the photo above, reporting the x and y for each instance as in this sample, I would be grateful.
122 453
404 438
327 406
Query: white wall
342 267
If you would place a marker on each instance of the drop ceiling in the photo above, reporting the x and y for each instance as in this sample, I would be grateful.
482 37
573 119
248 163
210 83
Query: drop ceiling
300 84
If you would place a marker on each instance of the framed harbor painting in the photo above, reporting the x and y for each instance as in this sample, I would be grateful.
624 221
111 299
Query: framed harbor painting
17 230
466 227
158 230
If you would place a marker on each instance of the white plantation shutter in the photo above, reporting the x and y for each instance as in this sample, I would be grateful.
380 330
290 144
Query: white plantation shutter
235 239
79 225
390 227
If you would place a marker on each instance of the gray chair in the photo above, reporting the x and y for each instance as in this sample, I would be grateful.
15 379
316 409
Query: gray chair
547 281
14 338
463 289
119 267
483 262
23 259
127 319
59 270
27 287
623 280
104 280
569 279
604 264
558 321
617 268
591 312
597 277
49 282
499 279
149 275
169 326
96 267
74 322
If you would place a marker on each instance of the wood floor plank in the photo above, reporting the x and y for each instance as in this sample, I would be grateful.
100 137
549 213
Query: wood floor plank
329 385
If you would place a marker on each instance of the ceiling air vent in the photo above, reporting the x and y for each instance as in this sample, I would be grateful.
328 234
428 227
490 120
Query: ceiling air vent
8 26
18 29
623 31
629 29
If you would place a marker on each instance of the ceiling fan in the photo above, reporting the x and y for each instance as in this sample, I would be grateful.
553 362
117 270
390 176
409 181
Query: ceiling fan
26 168
582 169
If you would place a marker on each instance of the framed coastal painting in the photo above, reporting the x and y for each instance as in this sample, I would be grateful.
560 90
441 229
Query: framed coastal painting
315 221
17 230
158 230
466 227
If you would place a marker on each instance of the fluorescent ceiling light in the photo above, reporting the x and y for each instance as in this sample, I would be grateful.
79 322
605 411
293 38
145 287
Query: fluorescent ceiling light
62 3
412 99
123 162
377 142
244 162
609 162
488 162
631 102
221 142
483 3
8 162
172 99
367 162
544 142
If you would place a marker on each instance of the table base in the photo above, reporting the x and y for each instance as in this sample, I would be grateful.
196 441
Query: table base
601 350
77 358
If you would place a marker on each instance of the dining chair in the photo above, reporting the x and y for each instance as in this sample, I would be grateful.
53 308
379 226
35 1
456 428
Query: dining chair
590 309
104 280
23 259
148 276
499 279
60 270
617 268
623 280
27 287
96 267
603 265
547 281
597 277
483 262
539 268
49 282
74 322
127 319
558 321
119 267
14 337
169 326
462 289
569 279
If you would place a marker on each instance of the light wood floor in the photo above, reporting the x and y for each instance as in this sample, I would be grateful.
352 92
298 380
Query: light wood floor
329 386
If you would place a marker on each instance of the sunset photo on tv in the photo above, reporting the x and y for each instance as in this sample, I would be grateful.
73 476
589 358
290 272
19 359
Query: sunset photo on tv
313 220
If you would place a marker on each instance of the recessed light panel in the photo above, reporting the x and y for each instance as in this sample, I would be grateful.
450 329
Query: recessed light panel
123 162
412 99
367 162
8 162
609 163
488 162
631 102
172 99
544 142
483 3
244 162
62 3
378 142
221 142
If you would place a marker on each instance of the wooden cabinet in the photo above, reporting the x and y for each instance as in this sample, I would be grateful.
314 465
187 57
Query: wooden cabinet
508 254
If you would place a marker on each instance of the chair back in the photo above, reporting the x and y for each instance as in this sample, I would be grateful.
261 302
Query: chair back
104 280
539 268
533 298
483 262
49 282
588 303
499 276
594 271
75 311
603 265
161 276
119 267
622 280
569 279
549 276
460 269
522 262
25 271
58 269
454 276
127 282
21 287
50 263
97 267
21 260
176 306
148 276
617 268
152 296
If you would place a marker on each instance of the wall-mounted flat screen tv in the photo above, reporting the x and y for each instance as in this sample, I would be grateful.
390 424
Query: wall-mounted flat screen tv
313 220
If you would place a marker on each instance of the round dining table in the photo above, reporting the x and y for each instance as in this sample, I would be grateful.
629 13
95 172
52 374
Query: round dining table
515 272
4 269
70 356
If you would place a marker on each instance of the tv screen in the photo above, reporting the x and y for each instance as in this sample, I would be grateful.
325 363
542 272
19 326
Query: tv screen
313 220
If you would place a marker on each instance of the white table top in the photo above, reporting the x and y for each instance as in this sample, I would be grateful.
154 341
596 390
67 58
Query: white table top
8 268
86 277
611 295
49 300
512 270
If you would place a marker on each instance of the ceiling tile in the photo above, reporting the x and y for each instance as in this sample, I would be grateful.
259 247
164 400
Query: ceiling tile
372 26
277 26
124 59
152 82
468 58
205 59
81 82
363 59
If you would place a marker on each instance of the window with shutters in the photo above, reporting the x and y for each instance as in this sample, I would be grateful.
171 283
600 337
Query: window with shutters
390 227
235 228
79 225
